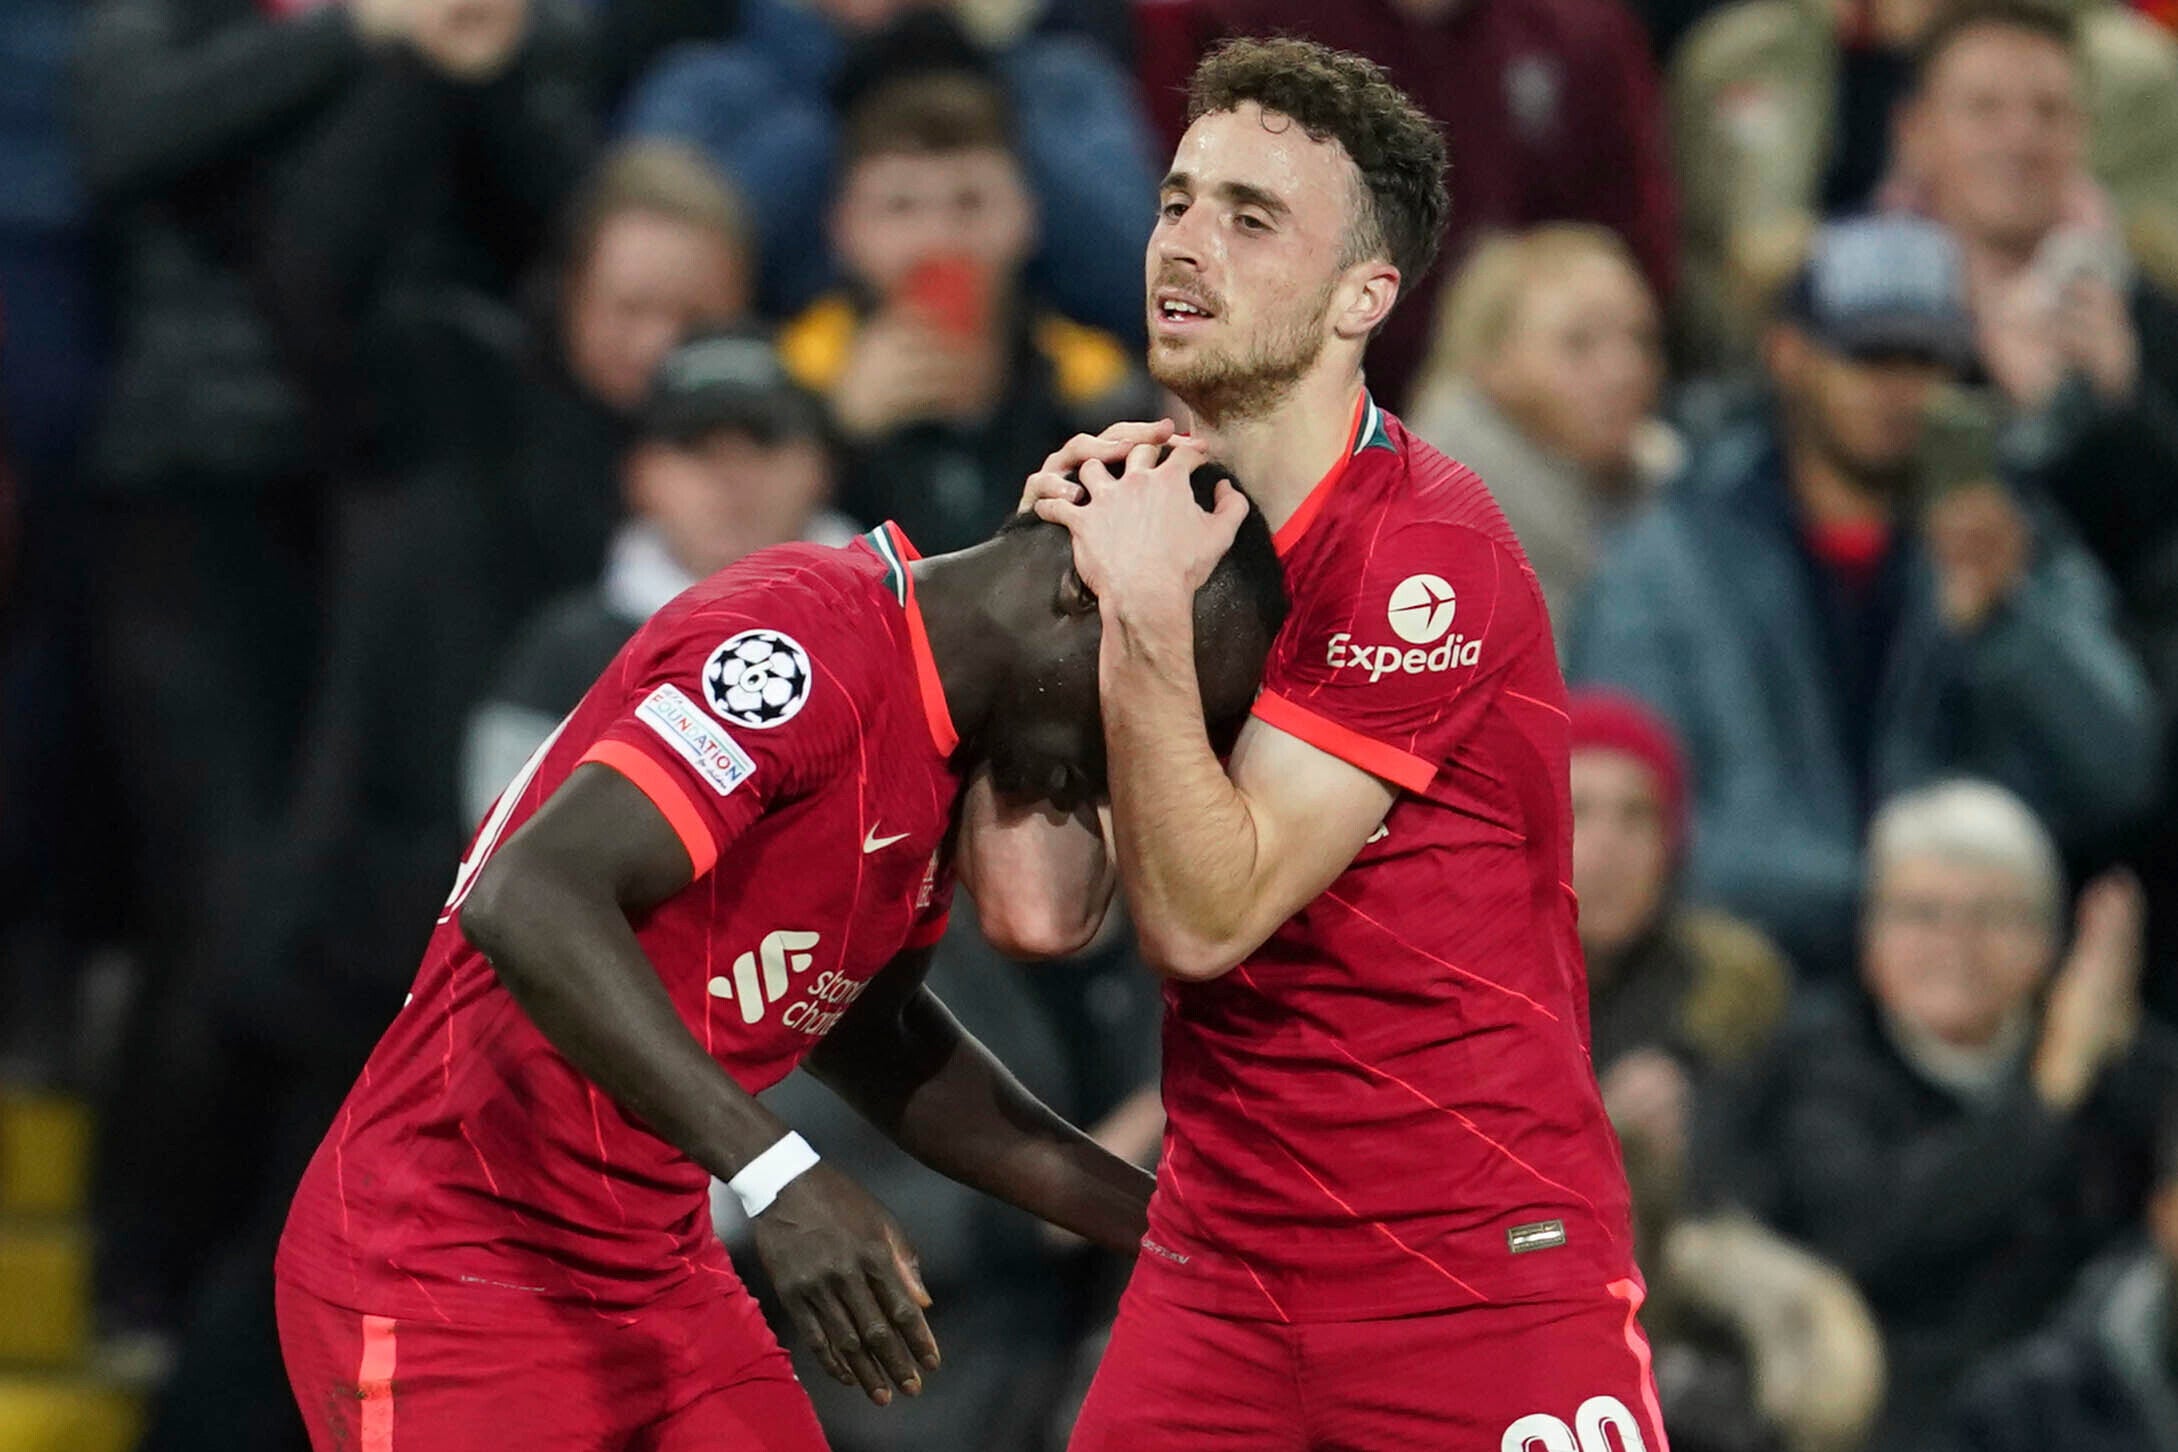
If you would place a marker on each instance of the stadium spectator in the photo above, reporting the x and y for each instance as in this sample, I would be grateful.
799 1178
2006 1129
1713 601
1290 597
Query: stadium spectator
1758 1345
1551 112
946 371
50 362
1781 113
1823 626
205 576
1547 363
2104 1376
1969 1132
1670 21
442 165
731 458
768 107
629 37
524 433
2081 345
1678 998
518 509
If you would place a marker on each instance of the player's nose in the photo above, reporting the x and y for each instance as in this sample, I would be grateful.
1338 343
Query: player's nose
1178 245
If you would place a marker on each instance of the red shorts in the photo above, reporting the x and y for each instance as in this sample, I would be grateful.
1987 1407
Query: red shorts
1543 1376
706 1377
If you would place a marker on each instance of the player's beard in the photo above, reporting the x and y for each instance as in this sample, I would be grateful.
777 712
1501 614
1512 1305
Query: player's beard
1221 386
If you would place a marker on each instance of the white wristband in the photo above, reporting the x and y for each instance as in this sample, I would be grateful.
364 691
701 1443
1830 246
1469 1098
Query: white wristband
762 1178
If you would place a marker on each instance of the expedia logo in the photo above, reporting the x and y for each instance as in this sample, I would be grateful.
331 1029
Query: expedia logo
1421 609
1384 660
1419 612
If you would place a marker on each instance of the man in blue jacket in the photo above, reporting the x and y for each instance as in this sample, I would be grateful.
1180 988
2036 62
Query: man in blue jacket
1826 618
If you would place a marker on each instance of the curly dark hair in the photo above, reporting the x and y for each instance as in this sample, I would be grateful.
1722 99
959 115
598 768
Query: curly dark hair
1337 96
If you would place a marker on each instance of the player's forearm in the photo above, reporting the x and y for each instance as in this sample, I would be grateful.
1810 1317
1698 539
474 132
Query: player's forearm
1187 841
565 952
942 1097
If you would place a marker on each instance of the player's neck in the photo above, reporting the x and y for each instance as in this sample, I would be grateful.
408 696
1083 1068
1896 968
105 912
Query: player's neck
952 592
1281 454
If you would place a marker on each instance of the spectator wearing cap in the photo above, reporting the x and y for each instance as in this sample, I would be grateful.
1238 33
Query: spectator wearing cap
1824 623
946 371
2103 1377
1973 1123
1543 378
769 108
730 457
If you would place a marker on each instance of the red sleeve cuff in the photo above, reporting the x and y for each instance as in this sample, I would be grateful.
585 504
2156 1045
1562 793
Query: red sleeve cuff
1402 768
926 933
657 783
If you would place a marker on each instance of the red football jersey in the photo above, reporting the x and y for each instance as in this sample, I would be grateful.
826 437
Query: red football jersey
786 717
1389 1107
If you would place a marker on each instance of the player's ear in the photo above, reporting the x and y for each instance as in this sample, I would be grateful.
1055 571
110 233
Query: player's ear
1075 598
1366 298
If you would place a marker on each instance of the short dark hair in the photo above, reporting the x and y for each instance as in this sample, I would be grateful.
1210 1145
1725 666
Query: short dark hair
2036 17
928 115
1250 571
1334 95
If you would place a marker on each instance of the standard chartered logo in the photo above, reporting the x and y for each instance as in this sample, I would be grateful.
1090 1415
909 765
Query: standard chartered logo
762 978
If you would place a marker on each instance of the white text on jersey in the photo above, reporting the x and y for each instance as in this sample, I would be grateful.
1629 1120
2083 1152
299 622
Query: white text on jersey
762 978
1382 660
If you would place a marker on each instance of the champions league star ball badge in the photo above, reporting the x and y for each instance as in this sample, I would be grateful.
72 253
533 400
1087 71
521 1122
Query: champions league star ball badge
759 679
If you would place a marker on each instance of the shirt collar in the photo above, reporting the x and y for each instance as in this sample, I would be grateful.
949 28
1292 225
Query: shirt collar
1366 431
891 546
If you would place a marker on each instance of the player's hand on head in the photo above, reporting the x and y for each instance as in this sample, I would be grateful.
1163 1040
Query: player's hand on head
847 1276
1057 478
1139 536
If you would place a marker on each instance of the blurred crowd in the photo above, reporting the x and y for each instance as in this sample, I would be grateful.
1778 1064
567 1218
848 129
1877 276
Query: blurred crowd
371 369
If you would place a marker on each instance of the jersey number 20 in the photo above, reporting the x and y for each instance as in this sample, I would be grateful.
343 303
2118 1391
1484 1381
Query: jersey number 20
1592 1429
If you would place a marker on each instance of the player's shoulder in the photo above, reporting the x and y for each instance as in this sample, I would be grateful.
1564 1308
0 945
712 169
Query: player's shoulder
785 628
819 591
1405 495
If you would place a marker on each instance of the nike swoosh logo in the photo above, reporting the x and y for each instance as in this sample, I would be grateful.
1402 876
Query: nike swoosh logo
872 842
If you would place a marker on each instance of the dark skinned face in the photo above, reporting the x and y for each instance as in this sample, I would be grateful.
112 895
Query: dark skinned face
1046 734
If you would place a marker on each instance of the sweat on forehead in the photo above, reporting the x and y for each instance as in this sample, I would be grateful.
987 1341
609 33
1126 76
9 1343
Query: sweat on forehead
1270 175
